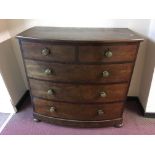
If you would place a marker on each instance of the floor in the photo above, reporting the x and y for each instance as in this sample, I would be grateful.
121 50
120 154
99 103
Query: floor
3 118
134 124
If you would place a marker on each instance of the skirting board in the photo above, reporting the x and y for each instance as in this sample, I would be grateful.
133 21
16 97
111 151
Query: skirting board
129 98
145 114
21 101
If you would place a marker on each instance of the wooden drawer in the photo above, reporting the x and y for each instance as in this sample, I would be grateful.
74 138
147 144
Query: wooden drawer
79 73
78 111
44 51
120 53
78 93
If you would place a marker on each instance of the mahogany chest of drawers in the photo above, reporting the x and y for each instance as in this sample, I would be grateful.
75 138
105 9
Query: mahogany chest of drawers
79 76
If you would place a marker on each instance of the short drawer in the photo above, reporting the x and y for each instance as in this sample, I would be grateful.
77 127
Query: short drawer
109 53
79 73
78 111
78 93
50 52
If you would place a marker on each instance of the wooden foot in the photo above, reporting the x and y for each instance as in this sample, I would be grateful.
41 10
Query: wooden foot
118 125
36 120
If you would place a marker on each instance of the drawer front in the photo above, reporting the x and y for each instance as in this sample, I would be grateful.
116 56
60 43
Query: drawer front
44 51
78 93
79 73
78 111
113 53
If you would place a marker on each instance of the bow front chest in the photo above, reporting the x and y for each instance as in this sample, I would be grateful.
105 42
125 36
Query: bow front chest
79 76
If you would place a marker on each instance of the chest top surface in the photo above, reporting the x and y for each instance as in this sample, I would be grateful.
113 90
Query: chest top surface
80 34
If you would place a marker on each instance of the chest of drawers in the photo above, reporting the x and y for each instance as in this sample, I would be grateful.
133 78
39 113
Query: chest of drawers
79 76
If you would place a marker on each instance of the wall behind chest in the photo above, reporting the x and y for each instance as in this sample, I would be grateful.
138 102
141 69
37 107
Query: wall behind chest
11 81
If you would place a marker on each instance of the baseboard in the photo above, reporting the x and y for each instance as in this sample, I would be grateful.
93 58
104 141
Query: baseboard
136 99
149 115
145 114
21 101
129 99
133 98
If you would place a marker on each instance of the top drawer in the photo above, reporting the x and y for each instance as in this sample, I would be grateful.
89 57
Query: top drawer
108 53
46 51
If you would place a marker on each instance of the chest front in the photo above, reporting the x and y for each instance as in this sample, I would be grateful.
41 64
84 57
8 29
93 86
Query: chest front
77 81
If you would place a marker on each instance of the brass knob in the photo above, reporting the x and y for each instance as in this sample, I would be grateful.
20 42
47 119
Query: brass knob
45 51
48 71
100 112
50 92
52 109
103 94
108 54
105 74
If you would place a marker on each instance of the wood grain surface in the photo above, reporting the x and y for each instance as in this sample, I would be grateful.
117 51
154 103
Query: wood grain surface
78 111
79 73
80 34
79 92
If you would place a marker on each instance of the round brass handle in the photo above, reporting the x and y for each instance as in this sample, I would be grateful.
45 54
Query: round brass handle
103 94
45 51
100 112
105 74
48 71
108 54
50 92
52 109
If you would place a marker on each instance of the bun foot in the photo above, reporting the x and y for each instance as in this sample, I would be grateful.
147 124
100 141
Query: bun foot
36 120
118 125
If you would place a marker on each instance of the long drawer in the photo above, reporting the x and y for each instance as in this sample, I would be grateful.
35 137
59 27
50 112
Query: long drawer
79 92
109 53
78 111
79 73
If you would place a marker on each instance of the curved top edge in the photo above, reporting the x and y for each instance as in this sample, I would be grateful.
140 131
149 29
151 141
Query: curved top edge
66 34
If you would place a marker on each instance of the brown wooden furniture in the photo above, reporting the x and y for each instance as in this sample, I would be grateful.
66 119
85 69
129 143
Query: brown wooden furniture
79 76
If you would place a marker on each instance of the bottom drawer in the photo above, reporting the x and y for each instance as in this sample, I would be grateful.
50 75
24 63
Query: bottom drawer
78 111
